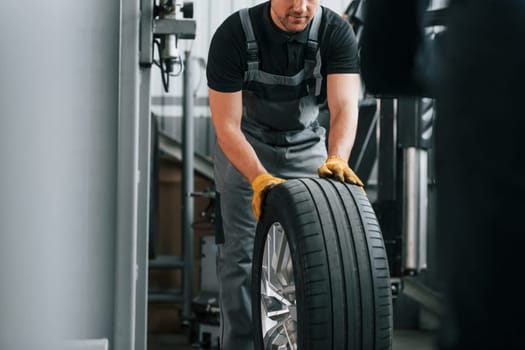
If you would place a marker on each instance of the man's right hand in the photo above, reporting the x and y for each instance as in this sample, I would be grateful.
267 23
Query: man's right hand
260 185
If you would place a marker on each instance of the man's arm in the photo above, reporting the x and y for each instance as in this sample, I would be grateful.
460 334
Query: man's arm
343 102
343 99
226 114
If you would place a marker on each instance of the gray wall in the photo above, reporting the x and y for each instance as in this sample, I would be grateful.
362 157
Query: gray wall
59 72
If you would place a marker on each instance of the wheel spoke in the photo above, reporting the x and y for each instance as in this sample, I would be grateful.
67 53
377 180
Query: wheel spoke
278 309
282 336
282 260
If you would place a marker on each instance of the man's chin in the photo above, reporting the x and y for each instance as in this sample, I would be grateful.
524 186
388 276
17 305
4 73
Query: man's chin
296 27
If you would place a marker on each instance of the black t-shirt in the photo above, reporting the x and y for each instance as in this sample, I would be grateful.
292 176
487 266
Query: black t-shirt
279 52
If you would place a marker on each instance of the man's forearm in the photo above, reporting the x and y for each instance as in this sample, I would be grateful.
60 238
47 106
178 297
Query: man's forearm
343 103
343 126
241 154
226 113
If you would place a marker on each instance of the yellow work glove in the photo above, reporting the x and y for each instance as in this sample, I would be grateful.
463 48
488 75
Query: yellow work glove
337 168
260 185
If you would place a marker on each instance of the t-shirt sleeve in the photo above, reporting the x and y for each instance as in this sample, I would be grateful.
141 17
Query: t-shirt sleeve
225 66
342 54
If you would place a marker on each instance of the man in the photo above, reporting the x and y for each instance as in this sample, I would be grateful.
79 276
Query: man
268 70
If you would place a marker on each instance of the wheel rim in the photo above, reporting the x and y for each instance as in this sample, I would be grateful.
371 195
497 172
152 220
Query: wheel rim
278 303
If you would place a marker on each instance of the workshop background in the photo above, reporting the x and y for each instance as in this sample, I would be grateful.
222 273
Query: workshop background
93 180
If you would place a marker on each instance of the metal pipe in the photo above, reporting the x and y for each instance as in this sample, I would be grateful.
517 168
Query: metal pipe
423 209
415 214
143 215
128 180
187 182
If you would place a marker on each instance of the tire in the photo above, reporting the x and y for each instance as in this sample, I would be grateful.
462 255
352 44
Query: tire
328 285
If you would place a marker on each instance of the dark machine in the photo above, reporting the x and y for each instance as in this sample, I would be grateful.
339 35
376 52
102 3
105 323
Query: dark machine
393 149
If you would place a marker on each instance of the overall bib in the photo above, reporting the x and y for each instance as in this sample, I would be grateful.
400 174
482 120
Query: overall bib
290 143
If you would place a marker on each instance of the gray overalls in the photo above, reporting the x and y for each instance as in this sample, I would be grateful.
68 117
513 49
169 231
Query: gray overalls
289 142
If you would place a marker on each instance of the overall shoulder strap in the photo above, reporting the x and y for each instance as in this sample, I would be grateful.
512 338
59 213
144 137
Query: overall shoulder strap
312 57
251 44
313 44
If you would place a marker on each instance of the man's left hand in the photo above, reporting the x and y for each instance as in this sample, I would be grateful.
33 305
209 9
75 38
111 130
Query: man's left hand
335 167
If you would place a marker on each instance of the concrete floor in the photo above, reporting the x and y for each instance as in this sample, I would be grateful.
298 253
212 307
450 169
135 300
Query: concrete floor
403 340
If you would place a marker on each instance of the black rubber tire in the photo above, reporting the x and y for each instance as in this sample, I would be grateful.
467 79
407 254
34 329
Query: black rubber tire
342 280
